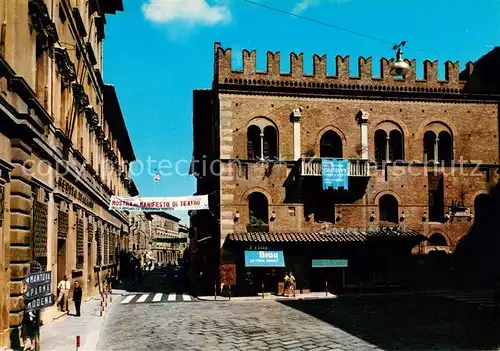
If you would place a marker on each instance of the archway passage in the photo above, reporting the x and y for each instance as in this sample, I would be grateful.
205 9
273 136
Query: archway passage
437 239
330 145
388 209
258 209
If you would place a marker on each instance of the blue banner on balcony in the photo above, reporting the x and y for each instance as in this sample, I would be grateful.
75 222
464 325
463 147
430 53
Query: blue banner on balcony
335 173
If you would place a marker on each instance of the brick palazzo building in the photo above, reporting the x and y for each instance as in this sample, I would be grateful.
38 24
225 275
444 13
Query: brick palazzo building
404 139
64 149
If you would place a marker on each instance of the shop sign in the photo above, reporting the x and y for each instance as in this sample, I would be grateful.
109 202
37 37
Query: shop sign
264 259
228 274
328 263
154 204
71 191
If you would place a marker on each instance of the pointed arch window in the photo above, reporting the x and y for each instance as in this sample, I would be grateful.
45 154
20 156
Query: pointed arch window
330 145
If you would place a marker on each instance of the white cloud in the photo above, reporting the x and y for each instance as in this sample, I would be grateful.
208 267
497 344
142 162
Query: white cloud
305 4
189 11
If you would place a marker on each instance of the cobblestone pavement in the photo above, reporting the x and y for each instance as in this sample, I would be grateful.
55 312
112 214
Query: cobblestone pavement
249 325
364 323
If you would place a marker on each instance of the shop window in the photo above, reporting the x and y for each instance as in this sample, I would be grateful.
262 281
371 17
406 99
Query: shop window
258 209
388 209
437 239
330 145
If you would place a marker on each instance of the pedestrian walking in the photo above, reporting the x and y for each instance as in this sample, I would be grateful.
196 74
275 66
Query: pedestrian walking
30 330
64 286
293 284
287 284
77 298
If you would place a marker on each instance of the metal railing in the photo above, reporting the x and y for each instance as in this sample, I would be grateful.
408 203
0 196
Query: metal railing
312 167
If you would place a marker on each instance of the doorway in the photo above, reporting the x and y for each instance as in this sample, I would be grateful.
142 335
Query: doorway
61 259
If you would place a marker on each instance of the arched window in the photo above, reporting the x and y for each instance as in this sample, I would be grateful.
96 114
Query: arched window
330 145
445 147
429 145
481 204
380 145
258 208
262 139
437 239
389 143
270 143
253 143
388 209
396 145
438 143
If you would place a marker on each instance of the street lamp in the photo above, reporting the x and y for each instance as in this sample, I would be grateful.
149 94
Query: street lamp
156 178
400 67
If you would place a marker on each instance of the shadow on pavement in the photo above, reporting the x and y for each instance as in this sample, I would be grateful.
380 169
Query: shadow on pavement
409 322
160 281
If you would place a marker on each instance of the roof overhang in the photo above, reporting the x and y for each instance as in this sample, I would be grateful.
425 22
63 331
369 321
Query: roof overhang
334 236
111 6
114 116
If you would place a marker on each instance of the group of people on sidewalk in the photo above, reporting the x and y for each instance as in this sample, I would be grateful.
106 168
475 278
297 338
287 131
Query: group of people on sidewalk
31 320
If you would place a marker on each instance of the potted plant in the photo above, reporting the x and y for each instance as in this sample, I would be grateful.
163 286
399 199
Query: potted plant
257 225
309 152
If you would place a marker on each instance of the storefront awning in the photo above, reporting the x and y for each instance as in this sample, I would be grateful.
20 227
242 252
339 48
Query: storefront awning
336 235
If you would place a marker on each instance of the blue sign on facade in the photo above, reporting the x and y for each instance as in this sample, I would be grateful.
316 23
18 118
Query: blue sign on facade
264 259
328 263
335 173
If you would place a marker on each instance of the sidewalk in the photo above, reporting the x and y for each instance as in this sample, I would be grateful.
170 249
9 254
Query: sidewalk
61 334
269 297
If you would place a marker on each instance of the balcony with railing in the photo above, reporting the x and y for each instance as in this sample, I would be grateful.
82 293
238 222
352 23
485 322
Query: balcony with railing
311 166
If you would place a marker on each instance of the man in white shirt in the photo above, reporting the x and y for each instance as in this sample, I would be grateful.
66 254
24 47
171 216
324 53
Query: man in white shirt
64 286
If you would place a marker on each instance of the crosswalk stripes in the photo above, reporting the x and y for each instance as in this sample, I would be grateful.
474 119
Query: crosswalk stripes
155 298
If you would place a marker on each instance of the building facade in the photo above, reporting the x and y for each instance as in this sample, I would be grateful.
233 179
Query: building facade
64 150
168 239
422 155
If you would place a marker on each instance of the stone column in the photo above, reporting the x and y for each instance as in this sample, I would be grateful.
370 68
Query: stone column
436 151
363 124
296 115
21 203
387 149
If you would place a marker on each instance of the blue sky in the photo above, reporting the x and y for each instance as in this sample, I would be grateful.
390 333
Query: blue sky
157 52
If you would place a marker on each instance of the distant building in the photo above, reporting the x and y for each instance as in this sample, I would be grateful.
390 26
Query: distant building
420 153
64 152
168 240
